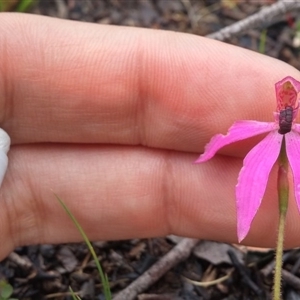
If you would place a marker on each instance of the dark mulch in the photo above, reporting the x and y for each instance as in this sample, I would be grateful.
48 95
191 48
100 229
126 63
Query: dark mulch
46 271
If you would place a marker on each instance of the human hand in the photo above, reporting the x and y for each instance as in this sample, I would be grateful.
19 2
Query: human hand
111 119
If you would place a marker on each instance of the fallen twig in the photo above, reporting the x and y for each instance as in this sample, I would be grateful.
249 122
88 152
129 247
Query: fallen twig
245 276
291 279
179 253
263 17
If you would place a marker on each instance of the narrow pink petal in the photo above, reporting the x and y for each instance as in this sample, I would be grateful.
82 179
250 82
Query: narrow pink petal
253 179
293 153
240 130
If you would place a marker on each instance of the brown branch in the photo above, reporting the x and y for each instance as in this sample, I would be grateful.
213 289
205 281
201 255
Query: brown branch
291 279
262 18
179 253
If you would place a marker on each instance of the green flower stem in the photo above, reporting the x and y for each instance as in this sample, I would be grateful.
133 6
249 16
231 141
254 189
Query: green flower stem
283 197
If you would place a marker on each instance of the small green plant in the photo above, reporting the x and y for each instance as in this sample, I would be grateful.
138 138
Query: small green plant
296 39
6 290
16 5
103 276
25 5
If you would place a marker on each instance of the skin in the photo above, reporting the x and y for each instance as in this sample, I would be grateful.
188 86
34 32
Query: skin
112 118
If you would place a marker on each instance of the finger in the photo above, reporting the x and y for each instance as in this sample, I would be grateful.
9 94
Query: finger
64 81
126 192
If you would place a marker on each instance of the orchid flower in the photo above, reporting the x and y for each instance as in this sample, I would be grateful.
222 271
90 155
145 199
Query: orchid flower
258 163
4 148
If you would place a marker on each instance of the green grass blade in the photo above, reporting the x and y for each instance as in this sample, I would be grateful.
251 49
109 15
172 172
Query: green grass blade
24 5
74 296
103 277
262 42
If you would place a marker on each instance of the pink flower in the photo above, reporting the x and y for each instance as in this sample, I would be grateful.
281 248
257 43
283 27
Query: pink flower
259 161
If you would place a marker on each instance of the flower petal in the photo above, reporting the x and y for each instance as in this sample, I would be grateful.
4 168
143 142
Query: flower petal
253 180
294 82
240 130
296 127
287 94
292 140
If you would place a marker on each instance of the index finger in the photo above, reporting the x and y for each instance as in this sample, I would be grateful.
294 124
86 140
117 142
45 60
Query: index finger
64 81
